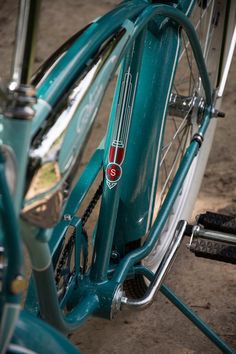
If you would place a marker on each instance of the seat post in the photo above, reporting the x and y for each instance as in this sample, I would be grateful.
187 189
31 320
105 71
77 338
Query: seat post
25 43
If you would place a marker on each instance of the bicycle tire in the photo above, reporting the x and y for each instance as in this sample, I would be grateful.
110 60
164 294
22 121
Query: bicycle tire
213 14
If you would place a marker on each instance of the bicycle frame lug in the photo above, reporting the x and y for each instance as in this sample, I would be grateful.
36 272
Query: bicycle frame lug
20 101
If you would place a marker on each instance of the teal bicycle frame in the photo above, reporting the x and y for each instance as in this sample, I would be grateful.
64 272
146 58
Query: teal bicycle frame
141 36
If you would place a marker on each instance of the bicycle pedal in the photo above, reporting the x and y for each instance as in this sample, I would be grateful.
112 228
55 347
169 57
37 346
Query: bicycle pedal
218 222
214 237
215 250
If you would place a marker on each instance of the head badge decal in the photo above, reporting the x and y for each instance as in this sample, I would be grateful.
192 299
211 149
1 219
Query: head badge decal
114 169
116 156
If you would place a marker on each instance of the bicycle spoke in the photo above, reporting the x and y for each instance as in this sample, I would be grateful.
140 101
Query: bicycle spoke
177 157
168 146
176 129
189 63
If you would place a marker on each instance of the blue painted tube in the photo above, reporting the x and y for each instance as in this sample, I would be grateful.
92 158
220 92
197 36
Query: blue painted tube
77 196
37 336
11 232
197 321
49 306
182 20
191 152
17 134
136 255
111 196
81 51
103 243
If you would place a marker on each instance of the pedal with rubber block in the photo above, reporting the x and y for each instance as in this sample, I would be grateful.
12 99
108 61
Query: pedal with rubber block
213 237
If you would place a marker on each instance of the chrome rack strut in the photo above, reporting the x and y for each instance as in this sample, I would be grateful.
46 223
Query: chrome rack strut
146 300
184 229
217 242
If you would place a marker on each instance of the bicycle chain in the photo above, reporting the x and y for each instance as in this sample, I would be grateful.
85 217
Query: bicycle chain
70 244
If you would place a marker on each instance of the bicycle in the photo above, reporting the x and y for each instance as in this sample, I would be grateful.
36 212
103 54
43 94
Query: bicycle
52 187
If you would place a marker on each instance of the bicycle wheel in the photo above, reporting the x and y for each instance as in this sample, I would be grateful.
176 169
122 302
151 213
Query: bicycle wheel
186 104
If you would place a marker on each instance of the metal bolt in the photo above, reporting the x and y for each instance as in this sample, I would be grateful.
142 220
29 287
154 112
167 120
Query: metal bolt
18 285
67 217
217 114
115 255
220 114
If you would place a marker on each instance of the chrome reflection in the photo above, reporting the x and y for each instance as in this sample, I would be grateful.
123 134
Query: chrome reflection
10 167
191 107
56 146
43 71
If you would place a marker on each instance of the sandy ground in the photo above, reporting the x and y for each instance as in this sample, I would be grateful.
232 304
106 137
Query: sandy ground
208 287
